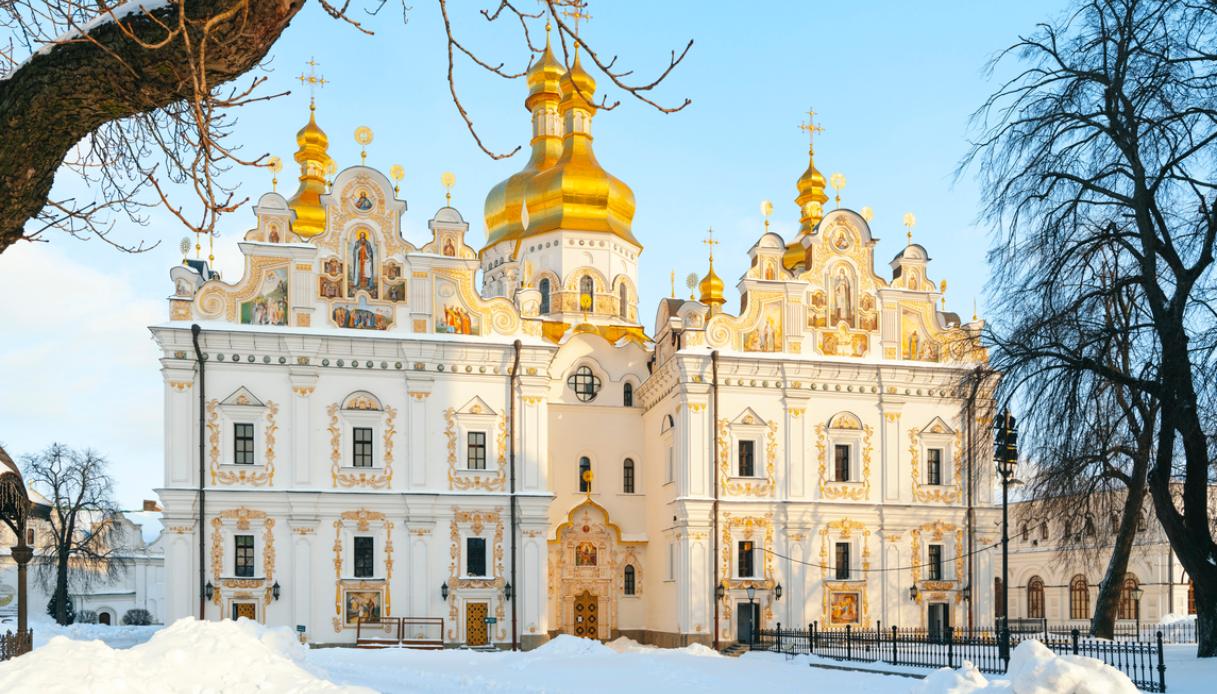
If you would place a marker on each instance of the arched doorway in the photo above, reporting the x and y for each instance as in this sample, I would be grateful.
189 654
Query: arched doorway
587 616
103 617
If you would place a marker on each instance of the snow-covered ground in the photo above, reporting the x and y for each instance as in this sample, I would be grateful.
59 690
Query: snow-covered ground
245 657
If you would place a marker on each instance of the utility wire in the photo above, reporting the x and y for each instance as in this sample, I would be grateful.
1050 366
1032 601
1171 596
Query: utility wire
896 568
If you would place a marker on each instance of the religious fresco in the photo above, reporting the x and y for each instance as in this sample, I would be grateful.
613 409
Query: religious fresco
843 608
361 269
457 320
395 291
585 554
269 307
361 315
842 307
362 202
363 606
767 336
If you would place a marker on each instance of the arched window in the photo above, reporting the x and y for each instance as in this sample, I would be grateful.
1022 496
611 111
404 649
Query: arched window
1023 531
1128 603
1044 530
586 289
668 423
627 476
627 395
544 289
1035 598
585 472
1088 527
1079 598
623 301
629 580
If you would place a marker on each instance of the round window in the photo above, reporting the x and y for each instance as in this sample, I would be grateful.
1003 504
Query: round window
585 384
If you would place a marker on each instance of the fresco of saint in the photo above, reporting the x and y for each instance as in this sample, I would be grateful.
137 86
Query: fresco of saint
362 274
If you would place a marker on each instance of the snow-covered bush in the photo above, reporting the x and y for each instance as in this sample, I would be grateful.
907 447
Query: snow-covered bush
137 616
1033 670
86 617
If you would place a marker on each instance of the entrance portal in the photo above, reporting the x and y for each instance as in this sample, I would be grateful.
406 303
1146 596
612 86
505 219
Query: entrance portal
939 619
587 619
747 615
248 610
476 631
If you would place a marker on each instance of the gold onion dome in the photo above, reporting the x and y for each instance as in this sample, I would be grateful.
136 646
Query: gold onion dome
711 288
313 156
505 202
576 192
811 190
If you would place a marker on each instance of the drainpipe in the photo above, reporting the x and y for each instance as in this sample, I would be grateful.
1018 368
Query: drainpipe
969 412
714 474
511 455
195 331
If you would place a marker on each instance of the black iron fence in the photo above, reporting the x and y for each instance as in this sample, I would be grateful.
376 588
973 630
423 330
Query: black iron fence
13 645
1142 661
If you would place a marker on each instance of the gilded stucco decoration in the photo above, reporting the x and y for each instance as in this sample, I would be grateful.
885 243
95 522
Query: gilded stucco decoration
588 554
746 486
936 532
476 522
242 519
362 519
927 493
844 423
496 315
218 300
463 479
837 600
342 476
760 328
746 527
255 475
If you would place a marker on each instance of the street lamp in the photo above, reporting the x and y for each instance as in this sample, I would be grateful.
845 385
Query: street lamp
209 591
720 591
777 592
507 590
275 590
913 593
443 591
1136 594
1005 455
752 613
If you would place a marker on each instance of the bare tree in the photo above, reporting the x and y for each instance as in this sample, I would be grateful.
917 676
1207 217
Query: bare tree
85 540
1103 144
137 100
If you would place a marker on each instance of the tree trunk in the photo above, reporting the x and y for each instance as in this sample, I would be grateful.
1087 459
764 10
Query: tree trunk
1107 606
55 99
61 589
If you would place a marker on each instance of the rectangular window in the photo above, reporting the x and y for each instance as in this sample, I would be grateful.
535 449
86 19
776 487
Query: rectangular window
933 466
746 466
935 564
364 555
842 566
363 447
476 458
243 562
475 564
744 560
841 462
243 443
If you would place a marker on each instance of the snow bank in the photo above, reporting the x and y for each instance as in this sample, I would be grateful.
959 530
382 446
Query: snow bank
624 644
565 645
118 636
189 656
1033 670
1172 618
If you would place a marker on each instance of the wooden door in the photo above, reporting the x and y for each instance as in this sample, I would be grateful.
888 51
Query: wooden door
476 631
587 617
249 610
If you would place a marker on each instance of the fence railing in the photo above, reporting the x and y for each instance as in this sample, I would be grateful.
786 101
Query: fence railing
1179 632
13 645
1142 661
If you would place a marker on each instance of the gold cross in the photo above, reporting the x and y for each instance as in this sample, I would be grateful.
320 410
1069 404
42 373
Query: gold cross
578 7
311 79
811 127
710 242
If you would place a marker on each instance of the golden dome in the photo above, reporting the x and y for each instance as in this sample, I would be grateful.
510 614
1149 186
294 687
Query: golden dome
811 190
313 156
504 203
576 192
711 288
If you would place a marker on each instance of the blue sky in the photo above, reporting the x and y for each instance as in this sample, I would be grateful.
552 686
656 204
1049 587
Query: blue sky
893 83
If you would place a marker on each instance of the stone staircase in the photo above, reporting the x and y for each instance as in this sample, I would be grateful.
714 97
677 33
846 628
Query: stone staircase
735 650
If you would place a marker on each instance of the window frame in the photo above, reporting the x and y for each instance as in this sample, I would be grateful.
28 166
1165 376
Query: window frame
544 287
837 447
627 394
1035 598
244 558
629 581
473 461
740 445
368 570
842 570
745 554
934 563
585 383
628 476
244 438
933 468
1079 598
481 555
585 464
356 443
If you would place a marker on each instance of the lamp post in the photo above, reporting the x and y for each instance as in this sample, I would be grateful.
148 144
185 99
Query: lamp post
443 591
1005 455
15 512
752 614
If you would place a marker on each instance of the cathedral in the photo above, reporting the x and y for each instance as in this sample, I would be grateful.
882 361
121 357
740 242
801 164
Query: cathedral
491 441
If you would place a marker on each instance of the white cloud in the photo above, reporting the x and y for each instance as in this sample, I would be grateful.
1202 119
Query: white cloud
77 363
